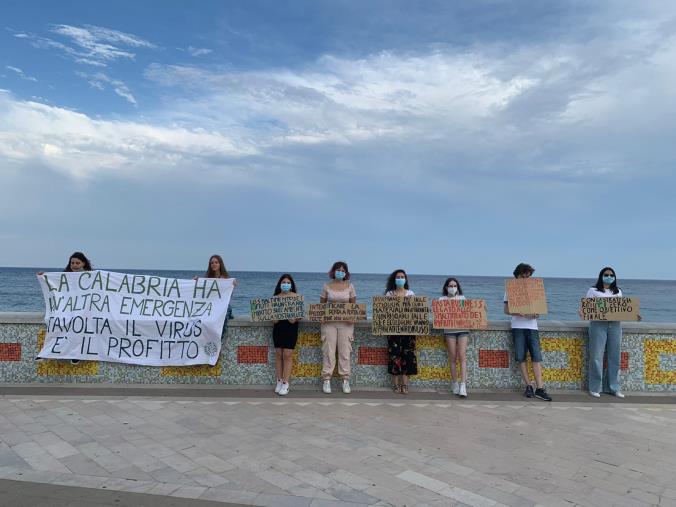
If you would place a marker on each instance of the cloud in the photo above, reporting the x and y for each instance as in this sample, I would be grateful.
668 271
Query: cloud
89 44
101 80
74 144
552 113
20 73
193 51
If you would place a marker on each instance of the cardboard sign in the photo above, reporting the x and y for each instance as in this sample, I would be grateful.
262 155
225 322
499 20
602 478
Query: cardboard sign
400 315
279 308
459 314
336 312
526 296
613 308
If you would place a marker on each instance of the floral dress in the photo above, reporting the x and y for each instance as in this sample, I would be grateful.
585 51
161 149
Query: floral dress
401 351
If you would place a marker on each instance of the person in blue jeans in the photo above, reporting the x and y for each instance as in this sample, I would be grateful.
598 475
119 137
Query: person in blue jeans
605 337
527 340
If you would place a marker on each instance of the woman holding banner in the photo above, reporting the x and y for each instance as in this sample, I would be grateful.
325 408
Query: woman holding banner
402 360
77 263
456 341
605 336
284 337
337 335
216 269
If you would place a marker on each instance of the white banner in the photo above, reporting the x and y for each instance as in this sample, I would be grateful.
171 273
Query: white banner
137 319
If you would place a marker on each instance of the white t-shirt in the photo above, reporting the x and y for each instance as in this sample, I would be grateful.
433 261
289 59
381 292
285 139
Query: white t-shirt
391 293
593 292
522 322
449 331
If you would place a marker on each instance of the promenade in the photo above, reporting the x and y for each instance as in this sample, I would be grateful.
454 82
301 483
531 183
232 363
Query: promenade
198 446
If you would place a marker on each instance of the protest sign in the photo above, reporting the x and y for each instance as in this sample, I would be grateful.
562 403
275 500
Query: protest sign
459 314
613 308
137 319
279 308
400 315
336 312
526 296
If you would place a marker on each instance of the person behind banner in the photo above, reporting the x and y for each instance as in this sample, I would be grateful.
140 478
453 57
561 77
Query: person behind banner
284 337
402 361
605 336
337 335
77 263
216 269
456 340
527 339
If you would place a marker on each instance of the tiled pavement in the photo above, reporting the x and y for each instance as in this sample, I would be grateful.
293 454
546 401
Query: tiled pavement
305 450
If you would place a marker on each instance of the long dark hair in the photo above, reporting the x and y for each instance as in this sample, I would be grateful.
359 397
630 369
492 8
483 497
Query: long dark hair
444 289
599 282
337 265
522 269
222 272
81 257
391 286
278 287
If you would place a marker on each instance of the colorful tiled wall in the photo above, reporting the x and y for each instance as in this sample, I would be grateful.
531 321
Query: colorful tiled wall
648 361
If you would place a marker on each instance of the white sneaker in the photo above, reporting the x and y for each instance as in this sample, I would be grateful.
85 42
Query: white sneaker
455 388
284 390
346 386
462 392
278 386
327 387
594 394
618 394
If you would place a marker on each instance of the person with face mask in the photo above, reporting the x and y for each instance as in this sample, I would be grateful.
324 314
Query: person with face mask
605 337
456 341
337 335
526 339
402 361
284 337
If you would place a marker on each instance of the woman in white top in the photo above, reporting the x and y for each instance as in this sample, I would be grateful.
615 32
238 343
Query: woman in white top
402 360
605 336
456 341
337 335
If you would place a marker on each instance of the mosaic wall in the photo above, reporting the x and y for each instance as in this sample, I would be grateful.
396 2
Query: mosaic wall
648 360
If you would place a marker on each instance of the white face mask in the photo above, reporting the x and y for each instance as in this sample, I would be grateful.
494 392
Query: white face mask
452 291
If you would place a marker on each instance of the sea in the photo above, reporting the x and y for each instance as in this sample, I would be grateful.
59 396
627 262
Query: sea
20 291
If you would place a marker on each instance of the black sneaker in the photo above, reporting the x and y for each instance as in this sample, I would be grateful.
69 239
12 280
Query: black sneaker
74 361
529 391
541 393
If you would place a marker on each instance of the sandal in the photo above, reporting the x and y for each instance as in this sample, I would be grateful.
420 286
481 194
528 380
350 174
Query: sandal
397 389
404 389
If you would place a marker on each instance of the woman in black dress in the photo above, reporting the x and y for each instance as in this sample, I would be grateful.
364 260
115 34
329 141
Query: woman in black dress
402 360
284 337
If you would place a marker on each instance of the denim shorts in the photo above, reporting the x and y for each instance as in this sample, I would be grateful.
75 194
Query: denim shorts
526 340
455 334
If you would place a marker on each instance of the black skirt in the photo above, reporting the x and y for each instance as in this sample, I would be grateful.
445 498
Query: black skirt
401 355
285 334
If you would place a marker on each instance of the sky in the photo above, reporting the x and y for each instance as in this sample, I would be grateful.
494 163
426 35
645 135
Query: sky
439 137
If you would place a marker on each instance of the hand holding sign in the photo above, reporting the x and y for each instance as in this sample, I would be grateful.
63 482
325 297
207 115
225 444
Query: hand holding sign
459 314
400 315
610 309
277 308
526 297
337 312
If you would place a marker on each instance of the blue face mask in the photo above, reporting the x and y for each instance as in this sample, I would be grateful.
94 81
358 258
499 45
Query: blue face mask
340 275
400 282
286 287
608 280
